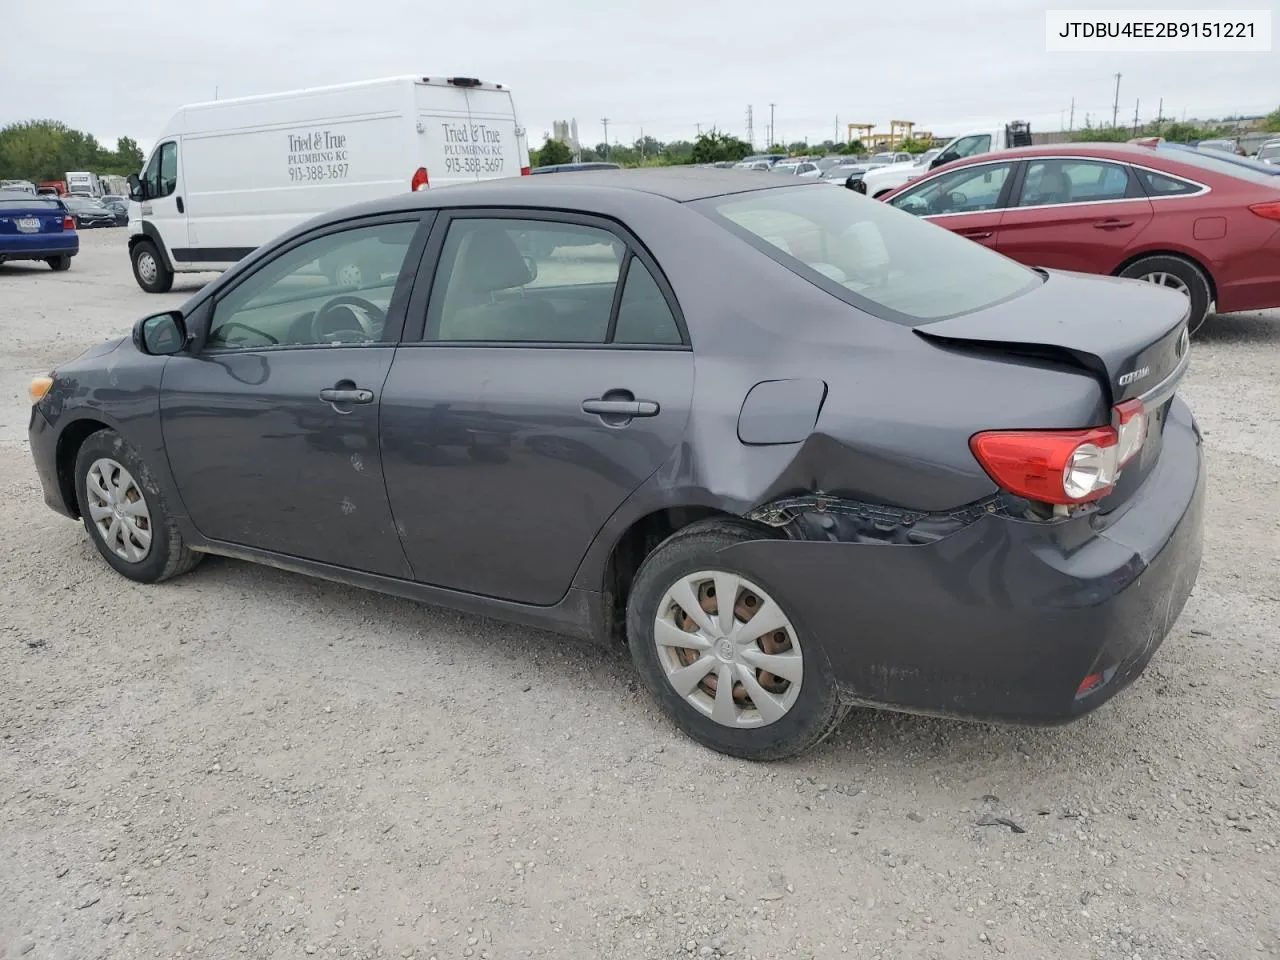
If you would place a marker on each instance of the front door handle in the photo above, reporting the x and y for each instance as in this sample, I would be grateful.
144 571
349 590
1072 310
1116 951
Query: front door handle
976 235
1112 224
181 209
620 408
341 395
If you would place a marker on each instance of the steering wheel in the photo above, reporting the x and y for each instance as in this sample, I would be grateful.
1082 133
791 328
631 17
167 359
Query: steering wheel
230 324
360 316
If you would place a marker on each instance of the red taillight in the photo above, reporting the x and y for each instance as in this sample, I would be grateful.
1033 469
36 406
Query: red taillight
1063 466
68 223
525 171
419 181
1270 210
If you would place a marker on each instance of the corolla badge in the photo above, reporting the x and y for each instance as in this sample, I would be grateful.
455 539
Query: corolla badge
1133 376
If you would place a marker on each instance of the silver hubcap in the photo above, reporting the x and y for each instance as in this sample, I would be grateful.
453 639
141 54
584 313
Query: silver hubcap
147 267
728 649
1167 280
349 275
119 510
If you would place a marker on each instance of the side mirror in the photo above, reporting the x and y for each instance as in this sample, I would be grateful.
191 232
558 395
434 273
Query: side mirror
940 159
137 189
161 335
532 266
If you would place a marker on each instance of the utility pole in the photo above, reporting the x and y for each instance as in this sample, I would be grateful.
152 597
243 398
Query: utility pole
771 133
751 130
698 127
1135 117
837 136
1115 107
642 143
605 121
1071 121
1160 115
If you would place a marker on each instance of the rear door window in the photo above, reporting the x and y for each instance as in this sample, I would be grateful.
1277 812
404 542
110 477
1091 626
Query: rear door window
1074 181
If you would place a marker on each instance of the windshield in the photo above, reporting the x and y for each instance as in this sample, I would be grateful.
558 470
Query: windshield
927 157
1269 150
11 199
870 254
839 173
785 168
1242 168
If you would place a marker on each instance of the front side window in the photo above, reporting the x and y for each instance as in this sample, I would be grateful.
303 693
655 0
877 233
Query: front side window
969 190
525 281
168 169
870 254
335 289
1073 181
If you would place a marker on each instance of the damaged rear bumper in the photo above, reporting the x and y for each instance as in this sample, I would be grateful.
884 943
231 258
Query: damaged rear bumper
1003 619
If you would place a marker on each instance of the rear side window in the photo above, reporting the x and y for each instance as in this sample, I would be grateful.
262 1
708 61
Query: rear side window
870 254
1159 185
644 317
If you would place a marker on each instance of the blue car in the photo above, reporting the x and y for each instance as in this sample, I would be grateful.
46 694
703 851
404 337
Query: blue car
36 228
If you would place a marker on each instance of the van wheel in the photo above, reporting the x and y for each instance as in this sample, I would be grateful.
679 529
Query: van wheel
1176 274
149 270
59 263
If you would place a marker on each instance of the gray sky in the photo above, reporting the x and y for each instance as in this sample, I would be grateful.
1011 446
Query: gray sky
661 65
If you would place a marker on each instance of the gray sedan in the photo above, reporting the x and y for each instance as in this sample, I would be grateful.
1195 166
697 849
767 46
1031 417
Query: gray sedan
798 449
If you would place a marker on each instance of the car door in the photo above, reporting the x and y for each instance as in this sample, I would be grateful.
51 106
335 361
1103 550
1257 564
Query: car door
969 201
271 423
1074 213
164 207
551 379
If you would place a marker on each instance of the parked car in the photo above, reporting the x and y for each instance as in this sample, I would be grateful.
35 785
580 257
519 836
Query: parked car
90 213
839 175
18 186
805 169
33 227
1249 163
1269 153
1225 145
118 206
576 167
878 182
686 444
1203 224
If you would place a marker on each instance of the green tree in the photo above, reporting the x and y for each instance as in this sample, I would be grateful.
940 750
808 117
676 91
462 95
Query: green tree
1271 123
714 147
551 152
798 149
854 148
128 156
47 149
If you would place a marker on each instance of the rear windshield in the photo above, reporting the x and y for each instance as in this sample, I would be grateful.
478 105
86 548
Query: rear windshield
889 263
1242 168
26 201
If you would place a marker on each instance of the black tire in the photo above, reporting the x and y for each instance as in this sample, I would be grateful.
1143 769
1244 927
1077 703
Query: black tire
157 280
1187 272
168 555
816 711
59 263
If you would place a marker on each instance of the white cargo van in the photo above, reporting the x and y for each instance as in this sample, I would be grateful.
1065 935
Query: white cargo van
229 175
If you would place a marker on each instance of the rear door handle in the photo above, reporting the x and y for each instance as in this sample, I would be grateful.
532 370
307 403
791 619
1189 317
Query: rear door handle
1112 224
181 209
338 395
620 408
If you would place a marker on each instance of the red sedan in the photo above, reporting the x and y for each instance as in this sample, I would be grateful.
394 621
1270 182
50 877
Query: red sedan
1207 227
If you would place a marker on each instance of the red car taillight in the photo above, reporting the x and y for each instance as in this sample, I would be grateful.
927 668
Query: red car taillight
1063 466
525 171
68 223
419 181
1269 210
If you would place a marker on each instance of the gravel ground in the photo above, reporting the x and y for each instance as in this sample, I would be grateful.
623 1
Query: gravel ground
247 762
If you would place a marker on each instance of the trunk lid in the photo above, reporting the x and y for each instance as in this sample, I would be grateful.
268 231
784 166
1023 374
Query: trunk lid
29 215
1129 334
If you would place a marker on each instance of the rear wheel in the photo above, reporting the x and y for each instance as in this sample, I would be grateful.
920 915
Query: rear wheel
1176 274
149 269
722 655
125 512
59 263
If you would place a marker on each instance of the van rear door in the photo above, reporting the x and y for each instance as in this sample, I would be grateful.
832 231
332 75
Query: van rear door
467 132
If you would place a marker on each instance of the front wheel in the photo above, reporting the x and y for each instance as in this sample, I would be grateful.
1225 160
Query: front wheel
125 512
149 269
1176 274
59 263
721 653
